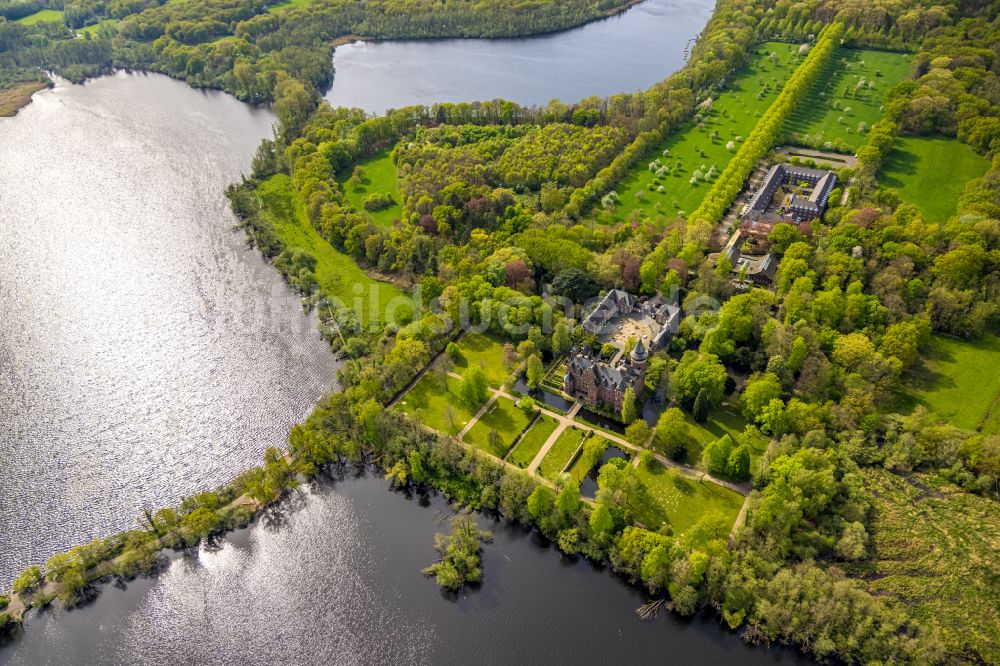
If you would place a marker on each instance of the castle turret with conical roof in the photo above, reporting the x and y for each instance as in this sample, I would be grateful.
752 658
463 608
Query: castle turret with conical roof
639 356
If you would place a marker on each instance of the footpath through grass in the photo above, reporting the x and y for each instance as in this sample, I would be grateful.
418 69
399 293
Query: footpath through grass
935 548
931 172
337 274
702 143
532 442
959 381
380 177
681 502
847 100
506 419
437 406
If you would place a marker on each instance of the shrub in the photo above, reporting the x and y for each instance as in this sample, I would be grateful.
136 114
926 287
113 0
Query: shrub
377 201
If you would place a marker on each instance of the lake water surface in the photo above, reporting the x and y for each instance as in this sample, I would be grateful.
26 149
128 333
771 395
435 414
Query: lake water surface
623 53
335 579
145 351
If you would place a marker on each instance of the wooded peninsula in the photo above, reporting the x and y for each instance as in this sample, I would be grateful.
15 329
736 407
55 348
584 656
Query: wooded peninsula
768 285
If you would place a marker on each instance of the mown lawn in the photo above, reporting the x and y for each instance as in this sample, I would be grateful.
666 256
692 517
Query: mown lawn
482 350
532 442
733 114
380 176
850 92
438 406
934 548
337 274
681 501
561 452
931 172
43 16
959 381
506 419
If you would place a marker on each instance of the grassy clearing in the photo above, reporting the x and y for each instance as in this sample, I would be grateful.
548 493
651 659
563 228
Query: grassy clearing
506 419
850 92
43 16
561 452
287 4
935 548
532 442
733 114
380 177
959 381
680 501
437 406
93 30
725 420
931 172
482 350
337 274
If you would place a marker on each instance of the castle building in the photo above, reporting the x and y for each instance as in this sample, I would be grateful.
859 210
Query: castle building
803 208
599 384
662 318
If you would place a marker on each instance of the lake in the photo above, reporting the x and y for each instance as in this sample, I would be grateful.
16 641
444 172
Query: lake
145 352
334 578
623 53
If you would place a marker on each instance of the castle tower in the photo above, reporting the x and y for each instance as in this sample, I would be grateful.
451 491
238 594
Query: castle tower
639 357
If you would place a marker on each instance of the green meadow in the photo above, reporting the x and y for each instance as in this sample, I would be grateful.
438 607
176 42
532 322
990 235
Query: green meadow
702 143
931 172
847 99
337 274
287 4
680 501
959 381
380 176
43 16
485 351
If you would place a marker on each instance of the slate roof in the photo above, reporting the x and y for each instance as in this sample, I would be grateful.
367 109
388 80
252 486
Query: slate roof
618 378
822 181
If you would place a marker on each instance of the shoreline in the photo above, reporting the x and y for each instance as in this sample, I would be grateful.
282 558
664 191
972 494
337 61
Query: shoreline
19 95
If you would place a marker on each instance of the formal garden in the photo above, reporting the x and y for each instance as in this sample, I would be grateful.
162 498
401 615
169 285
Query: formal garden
531 443
562 451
